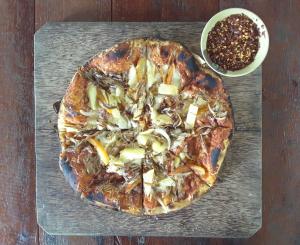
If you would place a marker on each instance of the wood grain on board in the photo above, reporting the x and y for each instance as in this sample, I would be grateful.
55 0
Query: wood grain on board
231 209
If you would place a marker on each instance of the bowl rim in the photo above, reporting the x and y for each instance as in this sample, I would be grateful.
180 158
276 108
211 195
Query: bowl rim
256 19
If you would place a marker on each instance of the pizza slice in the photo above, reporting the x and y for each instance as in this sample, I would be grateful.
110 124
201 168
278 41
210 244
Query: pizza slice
189 113
171 179
96 155
98 165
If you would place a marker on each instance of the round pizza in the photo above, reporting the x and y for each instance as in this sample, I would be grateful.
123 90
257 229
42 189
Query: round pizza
144 127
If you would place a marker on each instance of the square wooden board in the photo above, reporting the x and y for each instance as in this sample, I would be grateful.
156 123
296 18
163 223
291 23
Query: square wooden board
231 209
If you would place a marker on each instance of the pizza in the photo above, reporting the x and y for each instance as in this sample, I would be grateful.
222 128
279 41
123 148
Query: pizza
144 127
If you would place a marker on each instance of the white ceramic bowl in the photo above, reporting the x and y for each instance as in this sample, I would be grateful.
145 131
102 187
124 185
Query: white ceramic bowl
263 42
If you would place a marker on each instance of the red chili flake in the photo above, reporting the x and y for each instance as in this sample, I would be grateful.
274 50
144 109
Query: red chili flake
233 42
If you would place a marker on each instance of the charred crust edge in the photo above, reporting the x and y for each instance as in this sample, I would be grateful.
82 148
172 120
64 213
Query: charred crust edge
68 172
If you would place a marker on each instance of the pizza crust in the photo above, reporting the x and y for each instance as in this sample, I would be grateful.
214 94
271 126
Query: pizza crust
212 178
119 58
179 204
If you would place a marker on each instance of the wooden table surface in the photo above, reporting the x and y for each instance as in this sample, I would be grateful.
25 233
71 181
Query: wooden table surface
19 19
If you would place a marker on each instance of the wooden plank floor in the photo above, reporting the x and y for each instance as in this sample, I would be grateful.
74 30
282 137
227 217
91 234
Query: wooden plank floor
281 117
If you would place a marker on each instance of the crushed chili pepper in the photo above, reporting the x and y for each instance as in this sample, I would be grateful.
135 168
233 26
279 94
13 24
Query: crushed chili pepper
233 42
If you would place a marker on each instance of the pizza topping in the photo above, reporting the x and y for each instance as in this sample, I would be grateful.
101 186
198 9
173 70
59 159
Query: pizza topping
191 116
91 123
120 120
100 149
115 169
158 147
132 184
203 144
71 129
107 107
158 100
167 199
160 139
163 133
217 111
165 69
147 120
138 109
108 102
98 78
131 154
104 101
113 101
148 178
167 89
166 182
92 95
177 161
119 91
151 74
169 75
142 139
165 207
141 69
160 119
176 78
205 130
116 166
181 169
89 113
179 142
89 159
201 101
197 169
132 76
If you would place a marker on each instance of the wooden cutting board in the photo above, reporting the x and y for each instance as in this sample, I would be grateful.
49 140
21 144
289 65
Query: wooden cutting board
231 209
